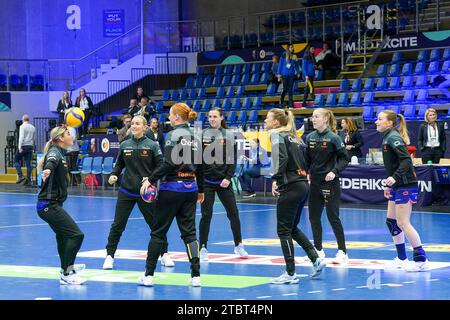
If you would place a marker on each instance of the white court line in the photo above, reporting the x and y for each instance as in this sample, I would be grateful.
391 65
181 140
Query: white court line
290 294
238 202
104 220
314 291
361 287
263 297
339 289
430 280
410 281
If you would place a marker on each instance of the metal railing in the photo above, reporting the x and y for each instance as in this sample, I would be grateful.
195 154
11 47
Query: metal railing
170 65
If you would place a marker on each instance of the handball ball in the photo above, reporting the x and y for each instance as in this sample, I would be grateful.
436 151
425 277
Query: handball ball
74 117
150 194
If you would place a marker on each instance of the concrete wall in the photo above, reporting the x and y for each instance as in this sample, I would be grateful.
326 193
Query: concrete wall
37 29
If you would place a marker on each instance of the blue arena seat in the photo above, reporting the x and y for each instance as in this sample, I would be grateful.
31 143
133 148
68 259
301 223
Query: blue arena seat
206 105
356 85
368 112
343 100
236 104
331 100
422 95
394 83
408 82
433 67
409 96
422 81
220 92
407 69
409 112
381 83
368 84
356 99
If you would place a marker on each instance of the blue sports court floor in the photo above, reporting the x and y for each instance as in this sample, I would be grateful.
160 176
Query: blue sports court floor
29 265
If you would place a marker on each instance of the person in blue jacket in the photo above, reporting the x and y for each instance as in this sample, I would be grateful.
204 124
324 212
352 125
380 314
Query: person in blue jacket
308 72
288 68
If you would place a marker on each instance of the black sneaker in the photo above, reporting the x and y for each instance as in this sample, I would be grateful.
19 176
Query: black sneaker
248 194
20 180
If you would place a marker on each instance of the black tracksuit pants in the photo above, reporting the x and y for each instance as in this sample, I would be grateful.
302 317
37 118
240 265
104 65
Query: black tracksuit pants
326 194
68 235
124 207
309 90
170 205
226 196
288 84
433 154
290 204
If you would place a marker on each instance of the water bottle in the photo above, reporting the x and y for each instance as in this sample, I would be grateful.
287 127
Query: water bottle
368 159
429 162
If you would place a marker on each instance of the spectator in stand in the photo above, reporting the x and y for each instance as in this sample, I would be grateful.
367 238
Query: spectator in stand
257 160
432 141
308 72
72 153
324 59
145 110
352 138
84 103
27 136
124 132
273 72
338 49
140 94
155 133
287 70
63 105
132 109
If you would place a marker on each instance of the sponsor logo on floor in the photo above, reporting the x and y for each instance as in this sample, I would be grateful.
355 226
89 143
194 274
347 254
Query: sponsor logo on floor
372 264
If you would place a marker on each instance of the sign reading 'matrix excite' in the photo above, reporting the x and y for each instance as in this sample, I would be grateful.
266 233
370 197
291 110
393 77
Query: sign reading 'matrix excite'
113 23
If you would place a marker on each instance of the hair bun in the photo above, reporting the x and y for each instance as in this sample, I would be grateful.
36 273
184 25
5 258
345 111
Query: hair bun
192 115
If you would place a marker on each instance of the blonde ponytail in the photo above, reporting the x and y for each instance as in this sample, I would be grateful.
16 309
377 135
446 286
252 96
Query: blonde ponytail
40 165
403 130
399 123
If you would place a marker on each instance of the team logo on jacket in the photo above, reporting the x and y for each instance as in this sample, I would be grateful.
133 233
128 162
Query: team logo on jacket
144 153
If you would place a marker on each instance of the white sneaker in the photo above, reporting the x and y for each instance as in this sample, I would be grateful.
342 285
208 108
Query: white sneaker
320 253
318 266
341 257
286 279
418 266
146 281
240 251
195 282
397 264
79 267
71 279
166 261
109 263
76 267
203 254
